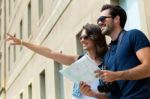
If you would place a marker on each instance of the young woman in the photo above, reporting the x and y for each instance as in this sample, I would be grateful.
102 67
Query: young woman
92 41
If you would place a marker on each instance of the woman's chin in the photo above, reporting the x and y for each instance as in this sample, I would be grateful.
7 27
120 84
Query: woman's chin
85 48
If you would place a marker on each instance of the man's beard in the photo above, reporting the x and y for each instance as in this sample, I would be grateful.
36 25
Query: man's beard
108 29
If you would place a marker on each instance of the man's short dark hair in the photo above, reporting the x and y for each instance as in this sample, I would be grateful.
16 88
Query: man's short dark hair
116 10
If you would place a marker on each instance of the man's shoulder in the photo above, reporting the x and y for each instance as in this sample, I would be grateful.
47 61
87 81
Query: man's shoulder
134 31
137 39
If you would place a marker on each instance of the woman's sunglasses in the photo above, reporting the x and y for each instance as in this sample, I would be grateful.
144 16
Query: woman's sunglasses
102 18
85 37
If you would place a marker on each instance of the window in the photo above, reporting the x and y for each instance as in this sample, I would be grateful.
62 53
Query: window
0 24
29 19
59 81
0 28
9 7
30 91
42 85
133 20
21 32
79 46
14 49
0 73
14 3
9 58
21 96
40 7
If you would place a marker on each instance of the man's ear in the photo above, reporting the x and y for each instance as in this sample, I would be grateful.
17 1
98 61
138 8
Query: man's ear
117 19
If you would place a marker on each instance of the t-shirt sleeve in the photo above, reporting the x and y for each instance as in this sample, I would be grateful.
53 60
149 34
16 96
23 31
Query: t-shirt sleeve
138 40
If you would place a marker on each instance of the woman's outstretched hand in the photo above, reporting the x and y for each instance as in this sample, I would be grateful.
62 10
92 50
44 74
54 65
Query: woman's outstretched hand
13 40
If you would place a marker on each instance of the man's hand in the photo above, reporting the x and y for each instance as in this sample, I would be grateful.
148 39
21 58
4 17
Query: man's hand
106 75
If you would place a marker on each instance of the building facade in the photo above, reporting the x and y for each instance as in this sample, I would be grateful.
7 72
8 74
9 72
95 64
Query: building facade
55 24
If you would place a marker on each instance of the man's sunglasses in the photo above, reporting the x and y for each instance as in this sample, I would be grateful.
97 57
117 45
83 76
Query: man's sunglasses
102 18
85 37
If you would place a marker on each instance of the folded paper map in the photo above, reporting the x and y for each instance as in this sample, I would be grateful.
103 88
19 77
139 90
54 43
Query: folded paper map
81 70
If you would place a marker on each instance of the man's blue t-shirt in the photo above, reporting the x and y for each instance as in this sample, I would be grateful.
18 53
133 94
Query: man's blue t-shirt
124 57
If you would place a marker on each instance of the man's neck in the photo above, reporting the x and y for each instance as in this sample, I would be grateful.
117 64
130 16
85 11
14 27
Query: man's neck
115 33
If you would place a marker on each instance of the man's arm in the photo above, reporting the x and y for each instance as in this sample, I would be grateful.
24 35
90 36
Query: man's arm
138 72
141 71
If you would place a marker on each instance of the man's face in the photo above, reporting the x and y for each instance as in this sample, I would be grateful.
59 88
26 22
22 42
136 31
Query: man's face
106 23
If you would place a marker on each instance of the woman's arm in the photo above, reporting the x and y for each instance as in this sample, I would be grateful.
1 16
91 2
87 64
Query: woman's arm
44 51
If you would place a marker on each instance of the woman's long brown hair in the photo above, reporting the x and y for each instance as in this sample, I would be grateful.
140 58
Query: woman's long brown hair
94 33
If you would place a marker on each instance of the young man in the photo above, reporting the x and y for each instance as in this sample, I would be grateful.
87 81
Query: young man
127 60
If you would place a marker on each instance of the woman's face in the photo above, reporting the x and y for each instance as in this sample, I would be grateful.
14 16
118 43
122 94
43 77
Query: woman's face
86 42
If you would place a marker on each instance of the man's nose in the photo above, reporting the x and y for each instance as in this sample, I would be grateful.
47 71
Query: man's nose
99 23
